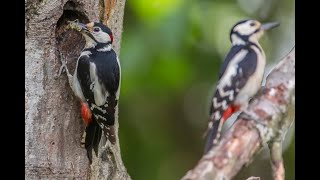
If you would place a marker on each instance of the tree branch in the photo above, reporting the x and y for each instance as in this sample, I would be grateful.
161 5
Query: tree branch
267 119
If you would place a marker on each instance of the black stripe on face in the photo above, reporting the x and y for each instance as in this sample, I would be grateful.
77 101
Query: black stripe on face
245 38
90 35
255 31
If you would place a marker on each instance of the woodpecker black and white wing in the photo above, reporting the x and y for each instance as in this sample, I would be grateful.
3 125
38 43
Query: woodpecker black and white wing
98 74
239 65
109 71
102 73
105 75
233 51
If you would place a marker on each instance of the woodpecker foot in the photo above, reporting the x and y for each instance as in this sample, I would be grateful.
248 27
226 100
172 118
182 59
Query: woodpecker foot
63 65
61 69
246 115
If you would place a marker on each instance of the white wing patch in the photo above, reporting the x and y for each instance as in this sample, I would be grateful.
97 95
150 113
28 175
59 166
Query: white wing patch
99 92
231 71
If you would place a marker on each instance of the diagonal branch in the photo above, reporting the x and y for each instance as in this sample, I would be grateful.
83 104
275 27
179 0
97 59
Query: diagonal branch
267 119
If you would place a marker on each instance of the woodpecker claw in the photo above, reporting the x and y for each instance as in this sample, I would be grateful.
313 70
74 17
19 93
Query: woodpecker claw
60 70
247 115
63 66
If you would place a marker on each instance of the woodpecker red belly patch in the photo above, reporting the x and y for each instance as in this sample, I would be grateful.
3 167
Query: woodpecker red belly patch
86 113
229 111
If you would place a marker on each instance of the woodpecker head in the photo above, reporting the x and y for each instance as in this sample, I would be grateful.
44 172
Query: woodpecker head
249 30
95 34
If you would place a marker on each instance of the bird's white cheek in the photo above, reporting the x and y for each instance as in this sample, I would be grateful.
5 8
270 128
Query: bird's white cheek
102 37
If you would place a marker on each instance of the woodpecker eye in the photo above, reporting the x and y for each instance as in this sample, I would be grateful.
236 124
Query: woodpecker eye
96 29
252 24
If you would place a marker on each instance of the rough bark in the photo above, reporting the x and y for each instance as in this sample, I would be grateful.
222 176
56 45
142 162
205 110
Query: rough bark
266 120
52 120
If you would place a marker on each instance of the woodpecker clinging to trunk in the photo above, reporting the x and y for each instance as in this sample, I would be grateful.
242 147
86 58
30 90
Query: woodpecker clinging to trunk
96 82
240 76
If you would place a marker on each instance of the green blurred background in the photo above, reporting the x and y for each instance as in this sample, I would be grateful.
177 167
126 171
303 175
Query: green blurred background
171 51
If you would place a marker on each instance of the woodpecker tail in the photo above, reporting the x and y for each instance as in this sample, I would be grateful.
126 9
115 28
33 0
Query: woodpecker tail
216 121
92 139
110 134
214 130
212 135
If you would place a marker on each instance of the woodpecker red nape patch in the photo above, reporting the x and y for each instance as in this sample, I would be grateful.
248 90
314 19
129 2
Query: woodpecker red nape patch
230 110
86 113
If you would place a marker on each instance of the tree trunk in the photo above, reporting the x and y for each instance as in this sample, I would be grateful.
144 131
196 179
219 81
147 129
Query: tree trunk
52 113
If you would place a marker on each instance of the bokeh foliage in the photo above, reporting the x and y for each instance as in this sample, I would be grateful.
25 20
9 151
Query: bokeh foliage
171 51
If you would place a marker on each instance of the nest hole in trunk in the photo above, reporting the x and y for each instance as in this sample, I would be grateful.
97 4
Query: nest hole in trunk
69 42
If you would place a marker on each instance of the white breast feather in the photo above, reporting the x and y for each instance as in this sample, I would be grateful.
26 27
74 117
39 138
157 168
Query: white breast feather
99 92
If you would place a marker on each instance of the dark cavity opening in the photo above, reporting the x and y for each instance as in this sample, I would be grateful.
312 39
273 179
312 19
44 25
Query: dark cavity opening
69 42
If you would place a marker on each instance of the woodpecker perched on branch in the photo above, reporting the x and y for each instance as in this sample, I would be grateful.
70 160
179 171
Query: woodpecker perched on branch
240 76
96 82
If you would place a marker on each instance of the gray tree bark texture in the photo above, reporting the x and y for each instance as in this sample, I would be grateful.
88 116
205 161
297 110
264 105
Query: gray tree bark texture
53 123
267 119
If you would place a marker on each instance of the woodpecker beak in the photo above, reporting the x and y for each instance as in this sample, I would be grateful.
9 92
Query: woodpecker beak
82 27
268 26
76 25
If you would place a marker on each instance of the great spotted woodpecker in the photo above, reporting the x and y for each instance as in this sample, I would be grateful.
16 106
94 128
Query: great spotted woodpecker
240 76
96 82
